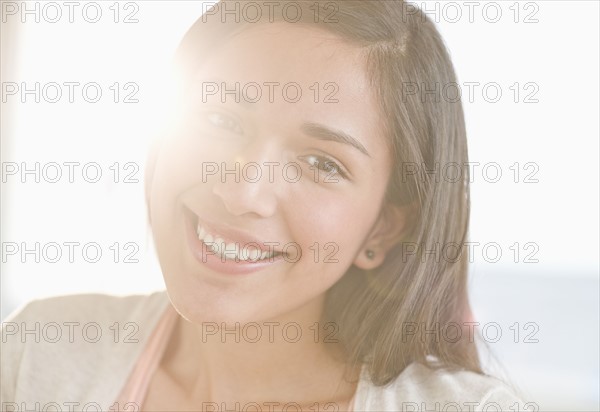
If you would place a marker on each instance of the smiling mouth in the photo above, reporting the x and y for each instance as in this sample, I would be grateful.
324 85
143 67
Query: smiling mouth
231 248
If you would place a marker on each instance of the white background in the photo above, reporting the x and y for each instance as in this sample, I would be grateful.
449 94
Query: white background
559 133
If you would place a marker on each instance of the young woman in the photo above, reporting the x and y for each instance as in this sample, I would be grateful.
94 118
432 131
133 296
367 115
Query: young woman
294 218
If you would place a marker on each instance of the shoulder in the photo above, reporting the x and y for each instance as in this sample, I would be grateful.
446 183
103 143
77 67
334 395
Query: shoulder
74 343
420 388
86 306
79 318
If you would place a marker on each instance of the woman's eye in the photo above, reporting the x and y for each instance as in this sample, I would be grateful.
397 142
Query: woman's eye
325 165
224 121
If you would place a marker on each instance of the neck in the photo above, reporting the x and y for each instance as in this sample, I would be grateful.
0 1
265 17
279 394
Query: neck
291 358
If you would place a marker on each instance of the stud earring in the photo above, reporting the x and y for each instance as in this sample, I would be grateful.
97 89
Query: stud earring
370 254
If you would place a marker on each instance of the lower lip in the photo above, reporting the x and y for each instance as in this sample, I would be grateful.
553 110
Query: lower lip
206 257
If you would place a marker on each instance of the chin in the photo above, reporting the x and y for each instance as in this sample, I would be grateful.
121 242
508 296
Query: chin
208 305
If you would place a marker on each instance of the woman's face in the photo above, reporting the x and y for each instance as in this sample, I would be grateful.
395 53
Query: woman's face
302 177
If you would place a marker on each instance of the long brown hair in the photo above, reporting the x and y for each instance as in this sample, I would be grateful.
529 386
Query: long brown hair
413 288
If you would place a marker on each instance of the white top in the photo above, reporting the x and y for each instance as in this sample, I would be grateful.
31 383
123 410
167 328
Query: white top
76 353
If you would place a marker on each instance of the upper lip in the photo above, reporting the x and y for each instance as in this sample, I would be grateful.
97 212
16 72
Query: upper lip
231 235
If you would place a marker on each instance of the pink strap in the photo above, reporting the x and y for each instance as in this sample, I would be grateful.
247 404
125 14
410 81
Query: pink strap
351 405
137 385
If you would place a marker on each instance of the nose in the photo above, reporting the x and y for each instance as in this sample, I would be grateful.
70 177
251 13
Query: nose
247 185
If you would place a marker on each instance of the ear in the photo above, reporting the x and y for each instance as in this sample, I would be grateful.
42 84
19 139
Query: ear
391 226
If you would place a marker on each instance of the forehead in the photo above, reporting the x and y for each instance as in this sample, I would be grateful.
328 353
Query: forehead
284 58
290 51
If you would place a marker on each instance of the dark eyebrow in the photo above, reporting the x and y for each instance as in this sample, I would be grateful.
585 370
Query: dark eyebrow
322 132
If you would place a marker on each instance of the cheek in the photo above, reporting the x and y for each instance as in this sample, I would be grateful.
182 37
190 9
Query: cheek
332 229
170 180
178 168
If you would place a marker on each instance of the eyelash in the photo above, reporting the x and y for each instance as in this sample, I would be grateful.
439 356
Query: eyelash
327 162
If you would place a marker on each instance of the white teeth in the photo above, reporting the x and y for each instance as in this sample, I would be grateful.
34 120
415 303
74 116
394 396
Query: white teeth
231 248
220 245
231 251
254 254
